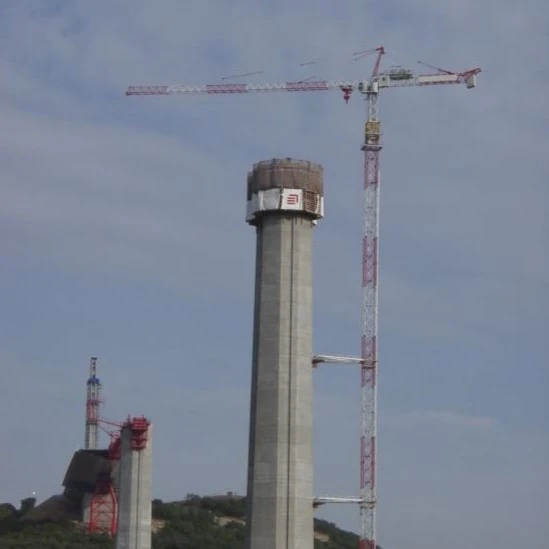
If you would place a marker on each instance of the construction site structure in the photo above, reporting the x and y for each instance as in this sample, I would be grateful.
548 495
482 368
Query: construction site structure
96 479
91 486
99 500
92 481
395 77
93 402
100 506
135 493
284 202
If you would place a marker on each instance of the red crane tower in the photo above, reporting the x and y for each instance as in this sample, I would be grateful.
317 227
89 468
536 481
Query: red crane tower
395 77
103 505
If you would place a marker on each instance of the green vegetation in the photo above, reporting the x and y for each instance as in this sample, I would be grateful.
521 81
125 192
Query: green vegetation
194 523
19 534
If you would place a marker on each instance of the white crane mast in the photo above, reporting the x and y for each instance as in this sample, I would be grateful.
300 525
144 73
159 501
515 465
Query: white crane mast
395 77
368 437
93 402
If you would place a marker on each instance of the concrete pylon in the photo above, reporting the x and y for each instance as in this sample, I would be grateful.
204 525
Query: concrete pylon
135 495
284 202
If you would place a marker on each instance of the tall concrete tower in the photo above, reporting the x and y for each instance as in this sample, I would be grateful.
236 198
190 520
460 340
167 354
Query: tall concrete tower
284 200
135 491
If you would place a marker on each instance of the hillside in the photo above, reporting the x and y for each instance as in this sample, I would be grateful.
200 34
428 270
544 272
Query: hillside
194 523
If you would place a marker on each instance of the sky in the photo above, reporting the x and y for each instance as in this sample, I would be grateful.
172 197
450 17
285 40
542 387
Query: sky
123 236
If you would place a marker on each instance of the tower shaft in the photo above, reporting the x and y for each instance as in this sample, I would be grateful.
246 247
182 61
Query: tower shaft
284 199
135 494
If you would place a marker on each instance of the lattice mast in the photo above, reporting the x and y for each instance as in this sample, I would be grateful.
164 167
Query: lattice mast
368 369
103 503
395 77
93 402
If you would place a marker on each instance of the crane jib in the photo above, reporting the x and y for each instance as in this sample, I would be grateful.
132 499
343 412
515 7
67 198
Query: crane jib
307 86
321 85
227 88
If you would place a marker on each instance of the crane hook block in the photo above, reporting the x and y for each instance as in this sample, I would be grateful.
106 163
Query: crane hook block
347 90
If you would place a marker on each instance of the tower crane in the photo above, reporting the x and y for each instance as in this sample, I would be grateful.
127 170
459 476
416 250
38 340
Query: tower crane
394 77
93 403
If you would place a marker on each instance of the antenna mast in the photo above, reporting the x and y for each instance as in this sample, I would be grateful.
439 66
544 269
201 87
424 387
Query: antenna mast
93 401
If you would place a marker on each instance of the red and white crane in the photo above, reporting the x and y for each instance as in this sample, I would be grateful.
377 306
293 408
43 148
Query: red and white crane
395 77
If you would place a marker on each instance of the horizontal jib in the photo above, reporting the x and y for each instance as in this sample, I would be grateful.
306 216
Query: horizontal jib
307 86
148 90
226 88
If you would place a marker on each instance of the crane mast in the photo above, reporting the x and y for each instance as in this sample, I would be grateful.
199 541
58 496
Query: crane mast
368 361
93 402
368 369
368 435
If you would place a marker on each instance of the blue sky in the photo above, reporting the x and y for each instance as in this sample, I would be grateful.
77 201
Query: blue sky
123 236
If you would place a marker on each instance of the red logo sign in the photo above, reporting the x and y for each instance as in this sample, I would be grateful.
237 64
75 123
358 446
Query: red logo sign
292 199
